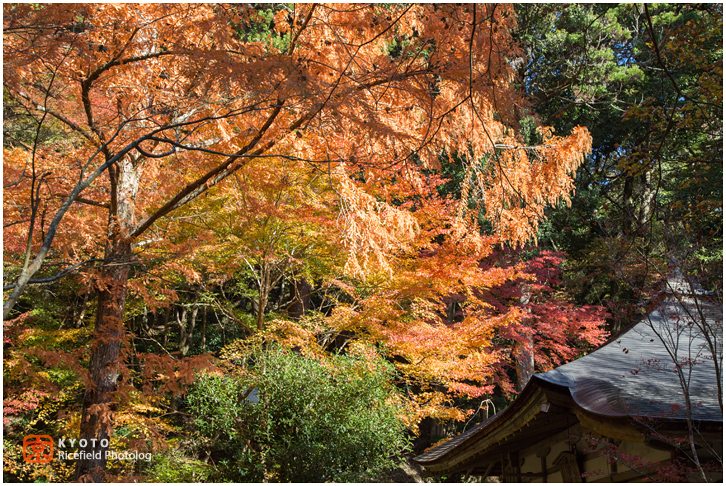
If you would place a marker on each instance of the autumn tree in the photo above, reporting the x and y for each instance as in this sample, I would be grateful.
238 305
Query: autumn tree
553 329
273 223
157 104
447 310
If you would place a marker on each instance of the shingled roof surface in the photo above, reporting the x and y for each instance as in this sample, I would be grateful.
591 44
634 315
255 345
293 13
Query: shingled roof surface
634 374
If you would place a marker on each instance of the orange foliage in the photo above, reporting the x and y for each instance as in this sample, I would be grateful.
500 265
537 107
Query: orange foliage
159 103
173 88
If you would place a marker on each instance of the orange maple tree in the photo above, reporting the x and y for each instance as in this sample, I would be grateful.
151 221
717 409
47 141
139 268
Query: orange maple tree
448 308
158 103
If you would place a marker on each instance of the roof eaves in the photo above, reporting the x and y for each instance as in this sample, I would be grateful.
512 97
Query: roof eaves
495 429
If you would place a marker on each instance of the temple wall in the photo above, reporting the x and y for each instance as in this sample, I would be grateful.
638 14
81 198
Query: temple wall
567 459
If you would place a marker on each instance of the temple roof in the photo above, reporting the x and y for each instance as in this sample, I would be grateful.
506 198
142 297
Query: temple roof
633 375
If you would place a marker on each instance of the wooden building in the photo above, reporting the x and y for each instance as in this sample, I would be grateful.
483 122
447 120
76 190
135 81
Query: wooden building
618 414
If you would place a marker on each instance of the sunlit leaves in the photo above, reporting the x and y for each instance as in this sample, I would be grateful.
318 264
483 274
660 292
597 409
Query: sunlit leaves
315 131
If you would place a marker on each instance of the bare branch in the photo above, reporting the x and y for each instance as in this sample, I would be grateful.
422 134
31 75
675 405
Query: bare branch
211 178
59 275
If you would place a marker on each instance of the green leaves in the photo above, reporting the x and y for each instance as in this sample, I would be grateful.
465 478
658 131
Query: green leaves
264 26
330 420
647 83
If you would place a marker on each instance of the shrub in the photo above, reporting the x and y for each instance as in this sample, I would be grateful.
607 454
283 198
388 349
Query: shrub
330 420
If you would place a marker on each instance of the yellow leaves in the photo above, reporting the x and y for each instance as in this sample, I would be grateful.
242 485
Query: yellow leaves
372 229
301 335
58 338
291 335
435 405
424 310
143 408
16 469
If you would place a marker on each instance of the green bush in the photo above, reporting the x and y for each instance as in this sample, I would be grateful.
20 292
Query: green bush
334 420
173 468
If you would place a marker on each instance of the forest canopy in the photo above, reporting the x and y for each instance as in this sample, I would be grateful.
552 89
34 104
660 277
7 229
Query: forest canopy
416 206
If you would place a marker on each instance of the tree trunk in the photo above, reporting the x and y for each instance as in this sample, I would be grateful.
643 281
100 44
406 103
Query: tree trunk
181 321
646 207
187 325
204 330
78 319
104 366
166 325
524 360
300 291
265 288
262 303
148 321
628 204
523 350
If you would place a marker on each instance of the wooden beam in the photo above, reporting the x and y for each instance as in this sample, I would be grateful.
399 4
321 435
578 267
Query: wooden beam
619 429
542 428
